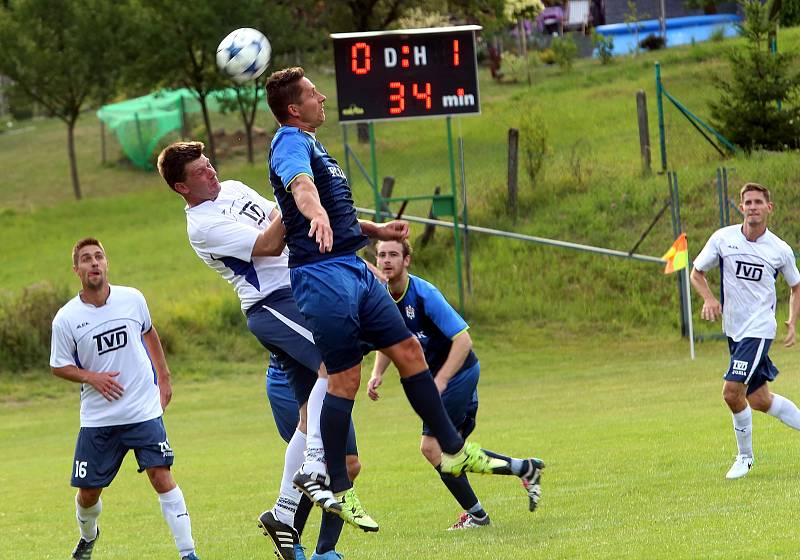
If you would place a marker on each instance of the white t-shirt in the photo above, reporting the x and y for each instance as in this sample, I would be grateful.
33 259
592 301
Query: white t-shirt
748 271
223 231
104 339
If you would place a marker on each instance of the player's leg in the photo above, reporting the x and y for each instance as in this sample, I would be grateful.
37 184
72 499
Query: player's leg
154 455
762 399
332 524
87 509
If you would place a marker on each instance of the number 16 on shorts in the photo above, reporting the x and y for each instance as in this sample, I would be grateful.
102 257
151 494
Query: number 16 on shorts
80 469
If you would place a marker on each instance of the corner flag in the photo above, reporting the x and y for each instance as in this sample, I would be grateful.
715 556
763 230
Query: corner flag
678 255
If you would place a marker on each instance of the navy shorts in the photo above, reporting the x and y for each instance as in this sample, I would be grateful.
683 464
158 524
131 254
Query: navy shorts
99 451
349 311
750 363
280 328
285 410
460 400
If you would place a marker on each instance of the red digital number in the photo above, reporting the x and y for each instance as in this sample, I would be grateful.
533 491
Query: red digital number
399 97
360 70
424 95
456 56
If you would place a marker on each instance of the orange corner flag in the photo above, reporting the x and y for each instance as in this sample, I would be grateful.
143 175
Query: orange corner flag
678 255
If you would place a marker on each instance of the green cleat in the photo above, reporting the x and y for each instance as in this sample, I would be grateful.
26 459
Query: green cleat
470 459
353 512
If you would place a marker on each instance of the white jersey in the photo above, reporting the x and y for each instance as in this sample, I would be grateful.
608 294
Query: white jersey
223 231
104 339
748 273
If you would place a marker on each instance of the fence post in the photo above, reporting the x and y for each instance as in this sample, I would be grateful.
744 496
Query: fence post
644 129
430 229
513 167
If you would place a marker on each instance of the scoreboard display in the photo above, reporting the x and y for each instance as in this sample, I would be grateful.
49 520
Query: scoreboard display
406 73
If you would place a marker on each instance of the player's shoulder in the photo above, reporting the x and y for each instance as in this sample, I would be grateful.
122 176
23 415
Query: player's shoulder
68 310
779 243
423 288
126 293
291 135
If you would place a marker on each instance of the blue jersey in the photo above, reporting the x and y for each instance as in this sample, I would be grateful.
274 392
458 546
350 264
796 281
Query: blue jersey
433 321
294 152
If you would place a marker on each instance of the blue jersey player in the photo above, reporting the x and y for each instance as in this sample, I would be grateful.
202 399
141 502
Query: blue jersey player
348 310
448 350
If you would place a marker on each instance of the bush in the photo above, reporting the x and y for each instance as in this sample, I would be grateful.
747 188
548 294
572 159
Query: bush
547 56
533 141
790 13
26 324
718 35
604 47
565 51
516 68
652 43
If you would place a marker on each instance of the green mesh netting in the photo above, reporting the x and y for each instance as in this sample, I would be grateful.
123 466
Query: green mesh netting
139 124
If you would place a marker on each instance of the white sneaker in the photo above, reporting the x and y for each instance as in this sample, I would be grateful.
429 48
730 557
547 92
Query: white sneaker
741 466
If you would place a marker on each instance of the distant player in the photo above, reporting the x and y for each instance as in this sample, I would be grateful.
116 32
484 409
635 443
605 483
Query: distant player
750 258
455 369
238 233
103 338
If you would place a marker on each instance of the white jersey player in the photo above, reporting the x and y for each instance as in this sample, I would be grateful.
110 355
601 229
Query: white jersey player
104 339
750 258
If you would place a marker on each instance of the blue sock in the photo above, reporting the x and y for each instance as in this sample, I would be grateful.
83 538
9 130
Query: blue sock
334 423
427 403
329 531
462 491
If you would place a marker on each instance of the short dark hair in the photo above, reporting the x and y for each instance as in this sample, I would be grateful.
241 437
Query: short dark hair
173 159
754 187
283 89
85 242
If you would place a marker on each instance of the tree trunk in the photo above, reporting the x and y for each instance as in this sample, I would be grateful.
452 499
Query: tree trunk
248 127
212 151
363 132
73 162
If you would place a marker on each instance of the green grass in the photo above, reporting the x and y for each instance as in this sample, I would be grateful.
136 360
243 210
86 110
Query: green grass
636 438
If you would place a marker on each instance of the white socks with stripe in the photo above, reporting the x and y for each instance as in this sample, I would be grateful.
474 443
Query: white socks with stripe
743 428
173 507
87 519
785 410
315 452
289 498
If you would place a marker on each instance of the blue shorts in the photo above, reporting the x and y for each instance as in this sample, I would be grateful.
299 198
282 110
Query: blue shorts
349 311
750 363
287 413
280 328
460 400
99 451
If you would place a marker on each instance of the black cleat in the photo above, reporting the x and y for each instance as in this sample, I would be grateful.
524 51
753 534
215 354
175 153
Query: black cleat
284 537
83 550
531 479
315 486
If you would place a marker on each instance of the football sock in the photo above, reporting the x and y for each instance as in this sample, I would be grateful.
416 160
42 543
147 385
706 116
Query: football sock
173 507
315 453
461 490
289 498
424 398
743 428
87 519
513 466
301 515
335 424
329 531
477 511
785 410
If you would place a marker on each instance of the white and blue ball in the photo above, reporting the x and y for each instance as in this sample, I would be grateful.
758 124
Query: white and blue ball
244 54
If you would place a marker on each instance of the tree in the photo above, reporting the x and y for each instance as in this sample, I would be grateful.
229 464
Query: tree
246 100
63 58
758 104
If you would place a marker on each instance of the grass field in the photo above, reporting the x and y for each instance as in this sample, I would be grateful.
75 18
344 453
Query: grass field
635 435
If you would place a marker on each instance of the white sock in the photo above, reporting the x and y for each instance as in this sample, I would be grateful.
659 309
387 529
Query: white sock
315 452
173 507
289 498
785 410
87 519
743 428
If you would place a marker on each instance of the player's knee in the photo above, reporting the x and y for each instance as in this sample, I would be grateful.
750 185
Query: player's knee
161 479
431 452
410 358
353 467
87 497
734 398
346 383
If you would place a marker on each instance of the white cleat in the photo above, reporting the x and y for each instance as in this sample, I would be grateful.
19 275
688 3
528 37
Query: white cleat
741 466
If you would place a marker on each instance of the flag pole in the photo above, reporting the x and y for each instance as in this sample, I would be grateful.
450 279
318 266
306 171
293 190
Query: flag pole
689 309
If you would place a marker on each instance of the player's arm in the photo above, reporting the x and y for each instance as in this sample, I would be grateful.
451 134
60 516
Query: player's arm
102 381
711 305
153 344
382 362
459 350
271 241
306 197
396 230
794 309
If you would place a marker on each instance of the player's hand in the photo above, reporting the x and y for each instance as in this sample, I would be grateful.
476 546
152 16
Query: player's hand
105 384
790 335
711 310
372 387
441 383
396 230
165 389
321 231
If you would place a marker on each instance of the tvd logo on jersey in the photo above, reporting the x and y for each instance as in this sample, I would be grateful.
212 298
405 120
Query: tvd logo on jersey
749 271
111 340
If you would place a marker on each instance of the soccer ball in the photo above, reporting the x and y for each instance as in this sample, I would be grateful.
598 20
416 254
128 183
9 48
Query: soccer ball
244 54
